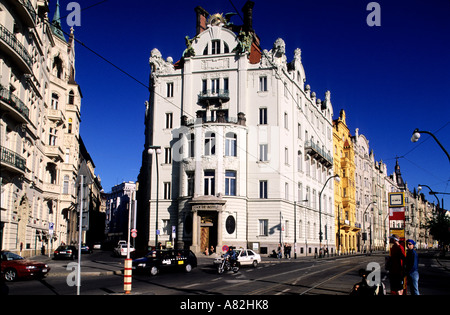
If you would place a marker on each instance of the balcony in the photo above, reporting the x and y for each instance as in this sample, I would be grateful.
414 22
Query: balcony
54 152
14 49
26 11
220 118
55 115
210 97
10 102
12 161
319 154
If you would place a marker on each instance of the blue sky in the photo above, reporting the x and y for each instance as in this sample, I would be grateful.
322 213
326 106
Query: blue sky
390 79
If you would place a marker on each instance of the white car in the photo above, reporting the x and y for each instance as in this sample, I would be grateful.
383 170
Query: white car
244 257
122 249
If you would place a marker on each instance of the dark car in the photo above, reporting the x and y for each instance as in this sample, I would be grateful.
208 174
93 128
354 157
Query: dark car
15 266
65 251
166 259
86 249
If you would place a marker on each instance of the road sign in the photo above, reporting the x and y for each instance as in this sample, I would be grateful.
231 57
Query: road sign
133 233
225 248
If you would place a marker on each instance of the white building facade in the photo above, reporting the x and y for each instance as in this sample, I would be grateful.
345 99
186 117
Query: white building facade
245 146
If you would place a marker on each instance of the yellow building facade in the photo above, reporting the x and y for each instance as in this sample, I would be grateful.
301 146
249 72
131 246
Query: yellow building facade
347 231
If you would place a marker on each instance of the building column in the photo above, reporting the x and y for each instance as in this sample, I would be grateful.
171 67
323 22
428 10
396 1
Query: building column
195 226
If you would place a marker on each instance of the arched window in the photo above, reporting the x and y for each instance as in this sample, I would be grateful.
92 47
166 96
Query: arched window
210 143
71 97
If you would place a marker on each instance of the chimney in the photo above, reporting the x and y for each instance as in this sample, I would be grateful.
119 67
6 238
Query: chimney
202 16
248 16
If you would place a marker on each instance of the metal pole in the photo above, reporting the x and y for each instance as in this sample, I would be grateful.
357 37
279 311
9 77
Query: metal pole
295 230
157 197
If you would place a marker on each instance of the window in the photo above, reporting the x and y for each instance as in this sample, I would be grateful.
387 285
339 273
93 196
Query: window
215 49
167 190
286 156
300 161
286 121
230 183
209 183
225 84
286 191
191 145
263 189
69 129
263 148
204 86
230 144
67 156
71 98
166 227
263 116
55 101
215 86
52 137
169 120
191 183
262 84
168 155
210 143
263 227
300 192
170 89
66 185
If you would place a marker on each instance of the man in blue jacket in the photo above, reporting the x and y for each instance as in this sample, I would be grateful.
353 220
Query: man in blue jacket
412 267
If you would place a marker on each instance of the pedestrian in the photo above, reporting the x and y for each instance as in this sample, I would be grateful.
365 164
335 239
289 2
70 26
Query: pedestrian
279 254
412 267
395 265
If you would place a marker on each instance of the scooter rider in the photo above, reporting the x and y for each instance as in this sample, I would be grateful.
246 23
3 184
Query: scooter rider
231 254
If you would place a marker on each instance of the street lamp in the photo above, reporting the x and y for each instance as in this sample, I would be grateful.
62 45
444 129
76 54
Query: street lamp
364 223
416 136
151 150
338 179
431 193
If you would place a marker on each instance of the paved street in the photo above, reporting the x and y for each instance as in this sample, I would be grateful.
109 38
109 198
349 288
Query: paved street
102 275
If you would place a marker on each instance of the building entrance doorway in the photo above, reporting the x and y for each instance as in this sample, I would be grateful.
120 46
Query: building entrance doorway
208 230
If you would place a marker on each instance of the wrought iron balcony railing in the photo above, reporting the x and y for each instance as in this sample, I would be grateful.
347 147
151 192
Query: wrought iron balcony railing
12 158
14 101
318 153
11 40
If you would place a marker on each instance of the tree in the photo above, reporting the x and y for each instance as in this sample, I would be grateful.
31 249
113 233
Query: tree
439 227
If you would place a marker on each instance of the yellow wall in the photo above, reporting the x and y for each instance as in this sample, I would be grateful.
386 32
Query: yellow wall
344 193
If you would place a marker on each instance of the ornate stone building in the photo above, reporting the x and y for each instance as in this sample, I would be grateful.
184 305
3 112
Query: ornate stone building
242 143
40 125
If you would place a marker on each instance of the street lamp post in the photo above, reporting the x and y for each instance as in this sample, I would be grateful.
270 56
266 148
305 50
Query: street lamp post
338 179
364 223
151 150
416 136
431 193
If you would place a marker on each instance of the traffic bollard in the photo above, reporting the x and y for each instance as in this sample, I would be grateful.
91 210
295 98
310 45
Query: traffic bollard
127 276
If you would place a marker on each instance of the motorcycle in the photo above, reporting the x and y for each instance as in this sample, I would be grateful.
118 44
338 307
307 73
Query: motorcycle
226 265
